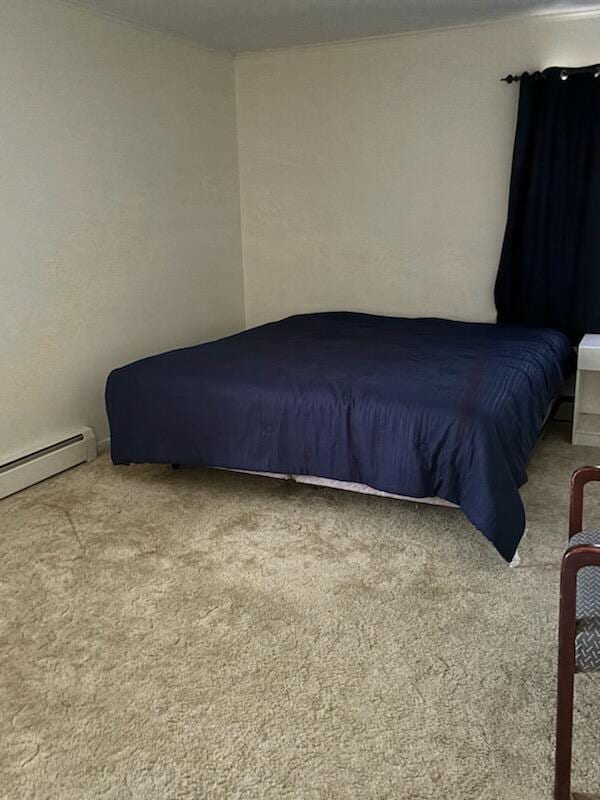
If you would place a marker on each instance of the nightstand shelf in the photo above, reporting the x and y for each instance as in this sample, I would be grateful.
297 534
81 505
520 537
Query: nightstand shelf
586 414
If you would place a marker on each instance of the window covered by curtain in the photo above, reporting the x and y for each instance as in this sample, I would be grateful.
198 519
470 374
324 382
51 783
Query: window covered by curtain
549 274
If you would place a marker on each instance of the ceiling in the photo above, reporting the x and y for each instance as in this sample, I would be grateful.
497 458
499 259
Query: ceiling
239 25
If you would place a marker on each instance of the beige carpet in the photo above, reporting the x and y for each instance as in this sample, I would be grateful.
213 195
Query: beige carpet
200 634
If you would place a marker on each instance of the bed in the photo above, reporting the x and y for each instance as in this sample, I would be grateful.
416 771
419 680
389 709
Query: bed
418 408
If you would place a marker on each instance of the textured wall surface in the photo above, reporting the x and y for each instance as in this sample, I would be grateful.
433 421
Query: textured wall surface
375 174
119 212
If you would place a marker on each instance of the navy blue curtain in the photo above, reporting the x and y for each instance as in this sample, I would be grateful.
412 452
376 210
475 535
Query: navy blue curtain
549 274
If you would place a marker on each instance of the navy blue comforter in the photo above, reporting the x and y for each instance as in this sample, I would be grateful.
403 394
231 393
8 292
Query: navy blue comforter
419 407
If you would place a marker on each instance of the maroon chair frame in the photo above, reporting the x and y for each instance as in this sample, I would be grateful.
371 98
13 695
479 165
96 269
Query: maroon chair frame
583 555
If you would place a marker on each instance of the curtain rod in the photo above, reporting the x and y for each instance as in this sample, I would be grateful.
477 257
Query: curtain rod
594 70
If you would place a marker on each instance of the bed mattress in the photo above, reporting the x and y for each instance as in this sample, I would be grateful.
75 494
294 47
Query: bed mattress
412 407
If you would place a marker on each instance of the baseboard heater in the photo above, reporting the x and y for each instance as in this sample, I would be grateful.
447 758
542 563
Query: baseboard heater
34 467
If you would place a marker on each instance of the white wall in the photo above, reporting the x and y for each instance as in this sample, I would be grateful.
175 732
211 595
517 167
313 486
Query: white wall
373 177
374 174
119 210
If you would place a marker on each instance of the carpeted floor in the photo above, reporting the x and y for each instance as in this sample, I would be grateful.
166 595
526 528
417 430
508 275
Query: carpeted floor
201 634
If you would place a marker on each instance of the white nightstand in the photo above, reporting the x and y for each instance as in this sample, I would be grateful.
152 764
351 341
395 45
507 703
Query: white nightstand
586 413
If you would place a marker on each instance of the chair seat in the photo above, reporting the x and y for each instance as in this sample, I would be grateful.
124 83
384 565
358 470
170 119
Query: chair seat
587 639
